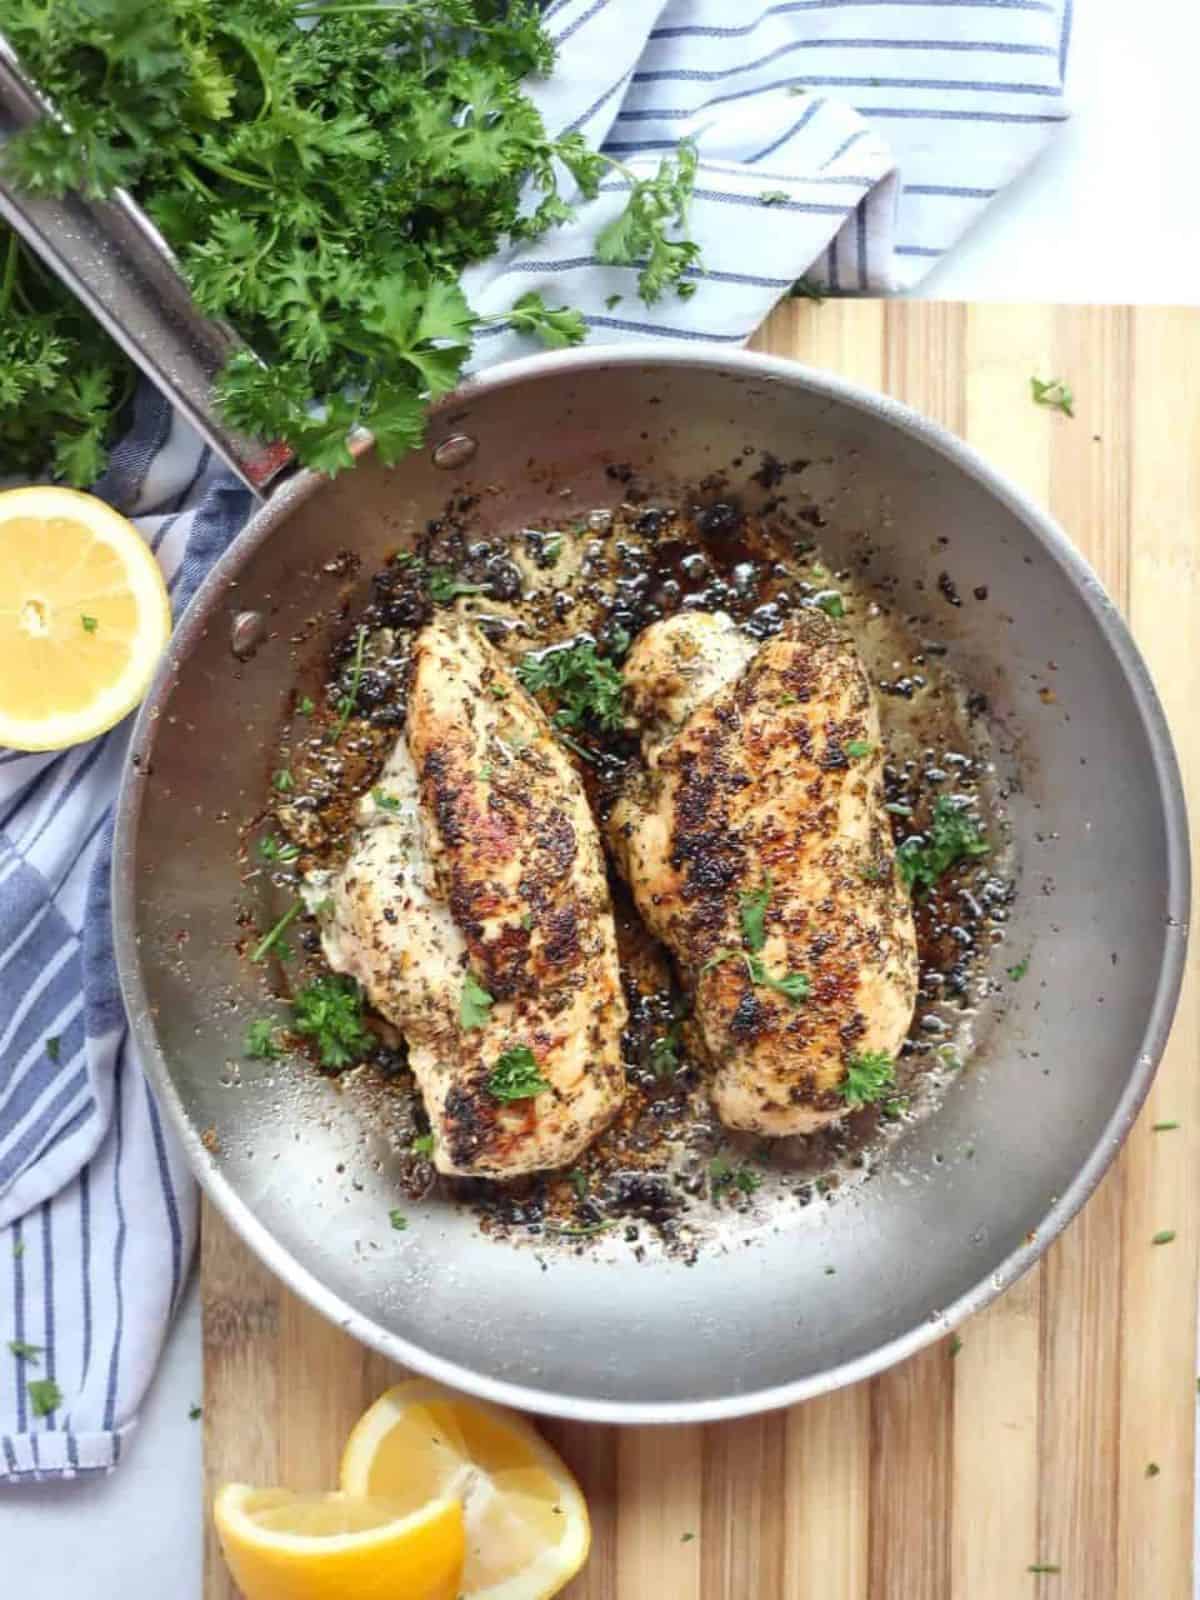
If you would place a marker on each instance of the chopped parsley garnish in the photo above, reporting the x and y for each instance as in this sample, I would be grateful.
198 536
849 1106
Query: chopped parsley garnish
955 1345
398 1220
305 706
859 749
725 1174
774 197
577 1178
686 1538
348 701
485 772
274 849
498 693
803 290
556 326
952 836
54 1048
1152 1469
422 1145
1055 393
444 587
329 1011
89 623
25 1352
271 941
795 986
664 1053
527 920
1164 1236
585 687
516 1076
385 801
868 1074
753 906
1018 972
612 301
475 1004
283 781
44 1396
260 1040
1163 1127
831 603
195 1413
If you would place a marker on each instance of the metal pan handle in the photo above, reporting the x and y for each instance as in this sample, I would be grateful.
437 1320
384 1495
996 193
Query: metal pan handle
109 254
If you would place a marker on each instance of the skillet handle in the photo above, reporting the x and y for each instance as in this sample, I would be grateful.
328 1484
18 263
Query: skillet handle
113 259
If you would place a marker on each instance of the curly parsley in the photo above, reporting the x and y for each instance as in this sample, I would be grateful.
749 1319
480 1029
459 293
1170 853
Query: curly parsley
329 1011
585 686
323 188
952 836
516 1075
868 1075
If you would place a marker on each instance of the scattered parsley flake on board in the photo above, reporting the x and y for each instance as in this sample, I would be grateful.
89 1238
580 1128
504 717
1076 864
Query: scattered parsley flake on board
90 624
1054 394
1164 1236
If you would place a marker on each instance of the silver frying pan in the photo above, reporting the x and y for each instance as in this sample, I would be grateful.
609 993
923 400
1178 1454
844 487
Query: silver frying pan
938 1232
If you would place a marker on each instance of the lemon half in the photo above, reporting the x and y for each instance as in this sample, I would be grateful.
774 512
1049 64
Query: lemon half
84 617
527 1528
284 1546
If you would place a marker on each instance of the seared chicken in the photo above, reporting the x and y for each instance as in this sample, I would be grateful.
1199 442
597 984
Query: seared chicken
478 866
758 850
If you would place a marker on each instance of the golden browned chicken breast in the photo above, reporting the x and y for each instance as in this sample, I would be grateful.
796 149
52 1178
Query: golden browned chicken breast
474 910
757 847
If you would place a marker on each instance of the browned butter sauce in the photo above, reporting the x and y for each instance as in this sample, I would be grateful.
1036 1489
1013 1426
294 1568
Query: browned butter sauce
667 1174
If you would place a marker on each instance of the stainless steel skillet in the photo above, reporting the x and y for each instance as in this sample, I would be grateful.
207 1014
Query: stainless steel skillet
937 1233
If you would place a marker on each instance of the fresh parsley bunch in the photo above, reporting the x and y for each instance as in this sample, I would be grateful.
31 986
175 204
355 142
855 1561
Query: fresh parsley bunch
324 172
62 380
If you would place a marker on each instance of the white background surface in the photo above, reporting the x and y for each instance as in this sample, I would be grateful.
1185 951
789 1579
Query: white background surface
1111 212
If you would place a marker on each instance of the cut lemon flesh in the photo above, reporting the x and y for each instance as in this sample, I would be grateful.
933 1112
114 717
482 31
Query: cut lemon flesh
284 1546
84 617
527 1529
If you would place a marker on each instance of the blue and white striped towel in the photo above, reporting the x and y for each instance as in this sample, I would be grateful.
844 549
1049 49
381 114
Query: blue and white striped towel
887 125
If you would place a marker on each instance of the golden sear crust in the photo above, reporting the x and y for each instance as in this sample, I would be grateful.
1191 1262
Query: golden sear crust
760 782
496 869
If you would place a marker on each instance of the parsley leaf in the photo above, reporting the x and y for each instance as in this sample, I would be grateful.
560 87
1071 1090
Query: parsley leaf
639 233
753 904
283 782
476 1003
859 749
952 836
556 328
274 849
867 1076
664 1053
1017 972
516 1075
329 1011
445 587
831 603
1055 394
44 1396
774 197
724 1174
305 706
795 986
386 802
260 1040
54 1048
422 1145
585 686
90 624
25 1352
803 290
1164 1236
398 1220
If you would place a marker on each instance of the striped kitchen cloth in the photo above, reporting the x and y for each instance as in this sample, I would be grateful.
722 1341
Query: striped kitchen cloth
852 140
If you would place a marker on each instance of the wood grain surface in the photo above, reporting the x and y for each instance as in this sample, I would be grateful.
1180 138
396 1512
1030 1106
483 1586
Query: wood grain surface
951 1476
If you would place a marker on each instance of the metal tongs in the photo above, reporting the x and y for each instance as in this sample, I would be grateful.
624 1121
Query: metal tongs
112 257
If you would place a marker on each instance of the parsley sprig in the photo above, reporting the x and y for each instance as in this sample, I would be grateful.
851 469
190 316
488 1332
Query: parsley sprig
516 1075
953 835
323 188
752 907
585 686
868 1075
329 1012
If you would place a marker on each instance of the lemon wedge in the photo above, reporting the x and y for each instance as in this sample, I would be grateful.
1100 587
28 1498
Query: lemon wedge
527 1529
284 1546
84 617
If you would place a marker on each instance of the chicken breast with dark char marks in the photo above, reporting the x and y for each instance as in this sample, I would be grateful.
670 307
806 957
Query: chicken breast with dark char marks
477 865
758 850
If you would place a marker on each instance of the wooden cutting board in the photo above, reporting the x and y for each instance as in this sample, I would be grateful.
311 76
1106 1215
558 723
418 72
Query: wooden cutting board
1061 1433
